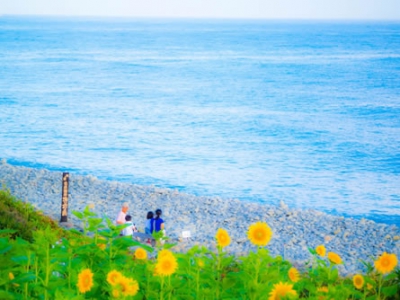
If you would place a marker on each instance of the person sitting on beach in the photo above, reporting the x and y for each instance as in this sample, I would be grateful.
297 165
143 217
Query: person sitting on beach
122 214
128 231
147 226
157 223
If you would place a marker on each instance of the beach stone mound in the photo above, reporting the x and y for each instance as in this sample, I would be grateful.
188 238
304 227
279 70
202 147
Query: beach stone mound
294 230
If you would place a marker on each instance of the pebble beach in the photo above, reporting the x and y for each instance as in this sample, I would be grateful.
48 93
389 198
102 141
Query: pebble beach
294 230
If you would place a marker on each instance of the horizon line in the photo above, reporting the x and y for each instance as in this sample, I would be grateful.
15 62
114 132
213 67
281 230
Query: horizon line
201 18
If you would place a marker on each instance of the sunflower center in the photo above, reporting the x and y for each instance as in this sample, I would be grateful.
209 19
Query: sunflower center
385 262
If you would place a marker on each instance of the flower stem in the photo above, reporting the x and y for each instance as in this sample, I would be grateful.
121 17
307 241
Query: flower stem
169 288
47 270
218 271
198 283
380 286
162 288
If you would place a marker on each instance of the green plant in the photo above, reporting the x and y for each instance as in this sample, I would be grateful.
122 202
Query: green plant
99 264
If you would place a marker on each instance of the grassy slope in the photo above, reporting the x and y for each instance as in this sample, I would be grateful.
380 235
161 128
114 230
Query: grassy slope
23 217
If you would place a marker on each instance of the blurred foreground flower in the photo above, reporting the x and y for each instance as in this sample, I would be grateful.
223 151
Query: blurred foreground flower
386 263
166 265
140 253
358 281
113 277
259 233
85 280
281 290
321 251
294 274
223 238
125 286
334 258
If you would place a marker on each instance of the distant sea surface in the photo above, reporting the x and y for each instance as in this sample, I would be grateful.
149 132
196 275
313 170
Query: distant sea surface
262 111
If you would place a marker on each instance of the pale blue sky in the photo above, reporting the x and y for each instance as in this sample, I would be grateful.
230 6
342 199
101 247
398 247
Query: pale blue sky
266 9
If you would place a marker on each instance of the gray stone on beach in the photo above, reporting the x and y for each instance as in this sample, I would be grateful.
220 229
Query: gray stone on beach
294 230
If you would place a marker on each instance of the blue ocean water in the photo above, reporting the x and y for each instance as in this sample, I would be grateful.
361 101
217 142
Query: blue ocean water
304 112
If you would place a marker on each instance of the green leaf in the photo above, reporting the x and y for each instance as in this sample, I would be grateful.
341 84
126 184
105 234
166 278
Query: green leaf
75 231
228 283
334 274
125 242
389 291
88 213
66 294
147 248
312 251
107 233
169 246
94 223
78 214
25 277
5 249
22 260
6 295
110 224
22 242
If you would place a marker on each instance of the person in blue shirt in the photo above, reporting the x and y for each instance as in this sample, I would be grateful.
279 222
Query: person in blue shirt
157 223
147 226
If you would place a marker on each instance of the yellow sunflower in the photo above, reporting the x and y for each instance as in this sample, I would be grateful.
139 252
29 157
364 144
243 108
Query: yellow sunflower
125 286
358 281
85 280
321 251
259 233
140 253
323 289
113 277
166 265
386 263
334 258
294 274
132 289
223 238
280 290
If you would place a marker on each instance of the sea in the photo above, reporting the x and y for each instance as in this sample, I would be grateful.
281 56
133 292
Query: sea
304 112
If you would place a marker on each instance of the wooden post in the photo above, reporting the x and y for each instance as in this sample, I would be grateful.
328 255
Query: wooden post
64 197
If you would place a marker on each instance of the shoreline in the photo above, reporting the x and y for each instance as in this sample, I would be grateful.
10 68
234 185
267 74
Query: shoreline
294 230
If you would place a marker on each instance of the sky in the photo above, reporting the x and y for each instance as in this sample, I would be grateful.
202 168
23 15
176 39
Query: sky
247 9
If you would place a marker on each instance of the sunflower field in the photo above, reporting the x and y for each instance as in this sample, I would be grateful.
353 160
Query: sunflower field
99 264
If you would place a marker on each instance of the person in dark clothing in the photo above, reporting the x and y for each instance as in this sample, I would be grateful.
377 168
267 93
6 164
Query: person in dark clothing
157 223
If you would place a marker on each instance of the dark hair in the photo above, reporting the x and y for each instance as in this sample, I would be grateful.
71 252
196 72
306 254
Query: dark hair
128 218
158 213
150 215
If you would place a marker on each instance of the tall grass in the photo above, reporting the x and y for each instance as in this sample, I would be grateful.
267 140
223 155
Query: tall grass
23 217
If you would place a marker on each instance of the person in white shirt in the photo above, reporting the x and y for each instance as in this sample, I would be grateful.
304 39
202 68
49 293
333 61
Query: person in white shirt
128 231
121 215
